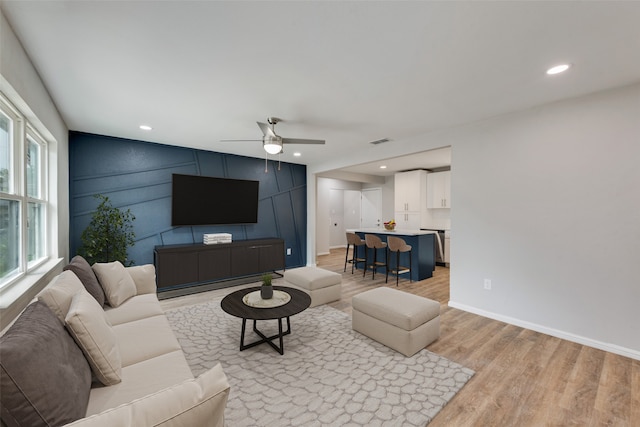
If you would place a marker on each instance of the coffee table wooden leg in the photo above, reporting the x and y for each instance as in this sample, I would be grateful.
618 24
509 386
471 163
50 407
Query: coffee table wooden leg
281 349
269 340
244 327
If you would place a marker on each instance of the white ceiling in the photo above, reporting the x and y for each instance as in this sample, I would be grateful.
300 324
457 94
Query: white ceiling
346 72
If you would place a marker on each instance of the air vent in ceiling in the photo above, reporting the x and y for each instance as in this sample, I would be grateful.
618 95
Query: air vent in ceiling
380 141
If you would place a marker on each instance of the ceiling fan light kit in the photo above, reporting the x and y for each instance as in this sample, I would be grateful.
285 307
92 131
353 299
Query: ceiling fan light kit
272 145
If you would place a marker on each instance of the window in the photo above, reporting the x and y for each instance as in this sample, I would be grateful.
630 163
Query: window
23 196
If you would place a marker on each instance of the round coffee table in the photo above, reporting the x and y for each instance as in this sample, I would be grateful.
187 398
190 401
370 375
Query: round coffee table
234 305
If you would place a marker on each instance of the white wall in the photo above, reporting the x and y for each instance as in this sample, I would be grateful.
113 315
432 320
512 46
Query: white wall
547 206
20 82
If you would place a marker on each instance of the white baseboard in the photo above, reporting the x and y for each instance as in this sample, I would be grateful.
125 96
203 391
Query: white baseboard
323 253
612 348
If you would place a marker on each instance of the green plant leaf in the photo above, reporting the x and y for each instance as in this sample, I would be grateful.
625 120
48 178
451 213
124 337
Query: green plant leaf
108 235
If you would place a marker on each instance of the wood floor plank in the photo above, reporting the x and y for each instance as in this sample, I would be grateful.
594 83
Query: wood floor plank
523 378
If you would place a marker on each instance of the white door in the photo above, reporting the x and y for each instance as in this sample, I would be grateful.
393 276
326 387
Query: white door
351 210
337 235
371 208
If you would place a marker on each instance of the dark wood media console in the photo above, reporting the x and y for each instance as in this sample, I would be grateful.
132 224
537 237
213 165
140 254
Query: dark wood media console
180 266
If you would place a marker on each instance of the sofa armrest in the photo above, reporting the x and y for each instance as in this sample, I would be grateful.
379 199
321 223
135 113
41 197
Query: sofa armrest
144 276
195 402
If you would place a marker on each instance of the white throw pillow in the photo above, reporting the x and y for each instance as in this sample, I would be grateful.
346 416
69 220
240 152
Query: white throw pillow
116 282
94 335
59 292
144 276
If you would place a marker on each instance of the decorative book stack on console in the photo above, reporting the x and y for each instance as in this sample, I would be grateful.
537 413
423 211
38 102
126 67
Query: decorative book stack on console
215 238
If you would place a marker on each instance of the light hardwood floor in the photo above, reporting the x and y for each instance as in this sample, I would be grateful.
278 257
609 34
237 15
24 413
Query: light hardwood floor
523 378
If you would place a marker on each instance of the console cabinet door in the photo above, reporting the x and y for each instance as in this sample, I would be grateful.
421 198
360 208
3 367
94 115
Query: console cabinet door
213 264
272 257
176 268
244 261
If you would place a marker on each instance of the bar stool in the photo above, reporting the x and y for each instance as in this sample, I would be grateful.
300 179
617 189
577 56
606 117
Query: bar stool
356 241
373 242
398 245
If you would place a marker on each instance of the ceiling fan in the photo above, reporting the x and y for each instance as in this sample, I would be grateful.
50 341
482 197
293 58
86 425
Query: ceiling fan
271 142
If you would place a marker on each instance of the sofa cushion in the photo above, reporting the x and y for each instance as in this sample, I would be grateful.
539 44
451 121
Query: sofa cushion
85 273
194 402
135 308
95 336
145 339
45 379
140 380
59 292
116 281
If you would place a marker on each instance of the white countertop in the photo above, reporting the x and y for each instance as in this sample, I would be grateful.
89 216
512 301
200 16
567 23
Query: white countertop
398 231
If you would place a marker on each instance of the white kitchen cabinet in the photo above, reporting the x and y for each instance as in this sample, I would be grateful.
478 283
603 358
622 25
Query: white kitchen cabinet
407 220
410 192
439 190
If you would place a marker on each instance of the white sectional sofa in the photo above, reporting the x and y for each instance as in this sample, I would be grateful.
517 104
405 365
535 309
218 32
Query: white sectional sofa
70 360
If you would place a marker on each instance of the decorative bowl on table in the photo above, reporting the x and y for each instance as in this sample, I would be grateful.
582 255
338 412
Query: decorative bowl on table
390 226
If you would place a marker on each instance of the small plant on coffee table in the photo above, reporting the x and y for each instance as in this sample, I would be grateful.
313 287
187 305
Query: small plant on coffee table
266 290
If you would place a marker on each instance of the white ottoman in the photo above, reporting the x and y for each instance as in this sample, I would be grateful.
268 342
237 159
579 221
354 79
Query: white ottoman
322 285
402 321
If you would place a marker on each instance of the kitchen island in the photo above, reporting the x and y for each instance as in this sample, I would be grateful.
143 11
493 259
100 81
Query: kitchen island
423 256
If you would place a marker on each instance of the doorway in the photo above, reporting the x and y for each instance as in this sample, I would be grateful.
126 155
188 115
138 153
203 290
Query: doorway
371 210
344 214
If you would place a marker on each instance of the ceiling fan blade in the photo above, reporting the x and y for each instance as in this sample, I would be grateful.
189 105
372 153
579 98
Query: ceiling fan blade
302 141
266 130
240 140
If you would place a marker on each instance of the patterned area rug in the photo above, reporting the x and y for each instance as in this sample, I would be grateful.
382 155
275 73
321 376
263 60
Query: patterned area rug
329 374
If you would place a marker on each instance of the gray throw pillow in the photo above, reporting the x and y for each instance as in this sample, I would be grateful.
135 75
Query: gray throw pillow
44 377
85 273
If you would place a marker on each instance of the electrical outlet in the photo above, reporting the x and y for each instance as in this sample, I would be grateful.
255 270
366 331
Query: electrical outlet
487 284
288 251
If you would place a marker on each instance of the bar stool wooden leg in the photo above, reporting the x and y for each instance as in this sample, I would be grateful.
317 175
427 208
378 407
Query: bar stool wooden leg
346 257
354 257
366 261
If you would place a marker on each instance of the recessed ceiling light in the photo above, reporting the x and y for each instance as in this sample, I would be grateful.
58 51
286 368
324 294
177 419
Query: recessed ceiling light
558 69
383 167
145 127
296 154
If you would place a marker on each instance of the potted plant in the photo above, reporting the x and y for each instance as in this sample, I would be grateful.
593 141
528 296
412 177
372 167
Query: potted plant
266 290
108 235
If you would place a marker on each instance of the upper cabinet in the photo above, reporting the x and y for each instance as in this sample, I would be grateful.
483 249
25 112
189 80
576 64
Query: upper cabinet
439 190
410 191
410 194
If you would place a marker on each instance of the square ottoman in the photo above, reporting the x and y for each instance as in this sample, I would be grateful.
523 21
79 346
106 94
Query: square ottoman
402 321
322 285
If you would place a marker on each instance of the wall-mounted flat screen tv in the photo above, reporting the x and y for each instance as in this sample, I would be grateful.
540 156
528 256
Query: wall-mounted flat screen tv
204 200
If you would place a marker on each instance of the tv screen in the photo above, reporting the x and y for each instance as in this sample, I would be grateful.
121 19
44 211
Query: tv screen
204 200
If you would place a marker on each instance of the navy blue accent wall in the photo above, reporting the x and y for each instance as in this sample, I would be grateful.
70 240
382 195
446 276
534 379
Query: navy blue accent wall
136 175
